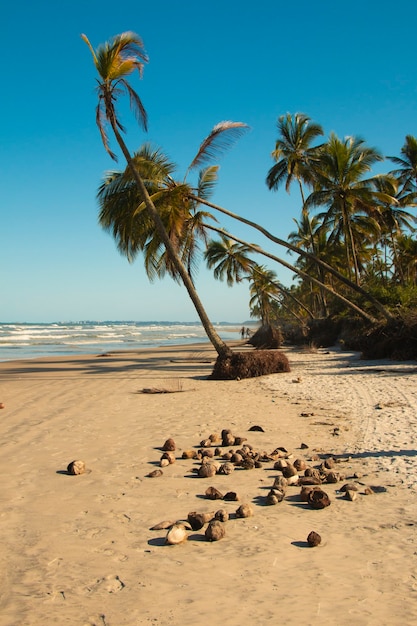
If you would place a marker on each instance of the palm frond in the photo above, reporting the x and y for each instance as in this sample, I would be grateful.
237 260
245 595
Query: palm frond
221 138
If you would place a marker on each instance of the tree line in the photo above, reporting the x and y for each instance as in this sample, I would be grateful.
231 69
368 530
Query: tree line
353 241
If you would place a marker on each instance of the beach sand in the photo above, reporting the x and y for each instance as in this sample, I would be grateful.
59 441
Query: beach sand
78 550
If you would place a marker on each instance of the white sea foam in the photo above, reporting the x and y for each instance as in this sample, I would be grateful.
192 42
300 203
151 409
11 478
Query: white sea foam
20 341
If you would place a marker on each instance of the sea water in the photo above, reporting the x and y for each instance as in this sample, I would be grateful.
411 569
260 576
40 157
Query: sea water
22 341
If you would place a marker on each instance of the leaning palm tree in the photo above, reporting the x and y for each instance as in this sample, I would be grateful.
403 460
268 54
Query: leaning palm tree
230 260
115 61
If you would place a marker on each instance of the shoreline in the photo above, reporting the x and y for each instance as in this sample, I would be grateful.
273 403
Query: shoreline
79 550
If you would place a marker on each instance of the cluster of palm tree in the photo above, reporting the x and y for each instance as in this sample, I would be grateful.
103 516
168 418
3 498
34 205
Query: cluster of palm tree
362 226
170 220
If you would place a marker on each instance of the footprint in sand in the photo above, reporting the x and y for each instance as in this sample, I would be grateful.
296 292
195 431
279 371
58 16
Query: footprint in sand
109 584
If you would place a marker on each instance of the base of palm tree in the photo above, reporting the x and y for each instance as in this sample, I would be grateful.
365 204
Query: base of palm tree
249 364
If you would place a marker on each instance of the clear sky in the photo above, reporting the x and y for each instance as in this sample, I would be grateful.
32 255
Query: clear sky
350 66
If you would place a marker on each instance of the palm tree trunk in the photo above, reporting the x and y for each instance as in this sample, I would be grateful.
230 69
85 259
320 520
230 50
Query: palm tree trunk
219 345
303 253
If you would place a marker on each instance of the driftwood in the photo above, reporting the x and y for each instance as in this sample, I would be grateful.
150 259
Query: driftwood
159 390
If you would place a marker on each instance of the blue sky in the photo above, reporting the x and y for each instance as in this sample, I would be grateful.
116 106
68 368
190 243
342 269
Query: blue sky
350 66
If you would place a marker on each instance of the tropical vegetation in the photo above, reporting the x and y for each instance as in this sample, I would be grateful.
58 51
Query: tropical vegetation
354 241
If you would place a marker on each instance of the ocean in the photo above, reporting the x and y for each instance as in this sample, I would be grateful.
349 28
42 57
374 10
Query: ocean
23 341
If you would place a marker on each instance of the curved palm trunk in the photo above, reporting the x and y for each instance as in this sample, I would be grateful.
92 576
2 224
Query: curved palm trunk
259 250
219 345
289 295
305 254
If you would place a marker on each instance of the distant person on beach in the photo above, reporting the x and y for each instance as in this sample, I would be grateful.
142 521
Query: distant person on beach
242 332
248 332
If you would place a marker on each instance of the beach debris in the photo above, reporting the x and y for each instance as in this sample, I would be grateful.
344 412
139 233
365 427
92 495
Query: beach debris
155 474
163 525
318 499
313 539
351 495
274 497
213 494
300 465
189 454
303 446
280 483
245 510
198 520
256 429
169 445
178 533
349 487
305 492
222 515
168 458
207 470
226 468
215 530
76 467
155 390
231 496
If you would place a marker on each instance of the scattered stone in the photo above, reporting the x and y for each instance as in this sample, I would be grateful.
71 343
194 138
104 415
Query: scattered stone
207 470
76 467
226 468
304 446
274 497
257 429
176 534
245 510
189 454
215 438
169 445
231 496
222 515
196 520
318 499
280 483
167 459
313 539
300 465
368 491
351 495
2 405
213 494
350 487
155 474
206 443
215 530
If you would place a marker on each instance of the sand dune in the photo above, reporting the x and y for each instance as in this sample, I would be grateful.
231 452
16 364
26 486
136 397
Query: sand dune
79 550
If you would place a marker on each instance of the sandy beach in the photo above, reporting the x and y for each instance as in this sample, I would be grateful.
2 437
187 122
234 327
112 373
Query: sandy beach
78 550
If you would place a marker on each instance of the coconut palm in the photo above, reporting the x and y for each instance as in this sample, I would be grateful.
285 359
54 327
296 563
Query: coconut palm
293 152
304 254
407 170
115 61
340 186
231 261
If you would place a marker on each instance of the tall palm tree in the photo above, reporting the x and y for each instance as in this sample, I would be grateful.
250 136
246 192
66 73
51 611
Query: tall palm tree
293 152
115 61
341 187
264 291
407 170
